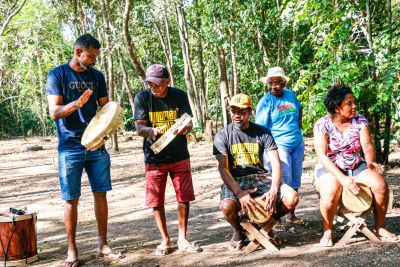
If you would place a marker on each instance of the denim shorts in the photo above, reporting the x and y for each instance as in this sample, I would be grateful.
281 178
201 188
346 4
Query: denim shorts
320 171
262 183
291 164
70 168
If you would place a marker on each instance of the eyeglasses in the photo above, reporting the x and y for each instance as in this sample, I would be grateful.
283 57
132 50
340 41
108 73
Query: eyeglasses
270 84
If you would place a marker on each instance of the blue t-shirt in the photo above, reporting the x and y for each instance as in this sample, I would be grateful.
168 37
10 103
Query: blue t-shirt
64 81
281 116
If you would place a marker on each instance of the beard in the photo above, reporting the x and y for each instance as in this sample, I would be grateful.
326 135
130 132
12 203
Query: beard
239 125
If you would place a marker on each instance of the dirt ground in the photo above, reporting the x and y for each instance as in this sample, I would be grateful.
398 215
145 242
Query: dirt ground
30 179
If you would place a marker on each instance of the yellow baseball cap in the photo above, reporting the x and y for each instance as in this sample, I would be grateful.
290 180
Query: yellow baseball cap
240 101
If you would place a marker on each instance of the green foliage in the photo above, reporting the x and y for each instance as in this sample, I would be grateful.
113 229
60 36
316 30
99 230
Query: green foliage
319 44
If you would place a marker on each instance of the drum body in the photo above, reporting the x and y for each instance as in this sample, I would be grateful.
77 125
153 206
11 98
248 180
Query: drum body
102 126
258 214
357 203
18 240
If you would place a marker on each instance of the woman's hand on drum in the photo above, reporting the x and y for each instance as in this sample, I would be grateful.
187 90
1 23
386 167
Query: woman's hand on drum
373 166
349 183
270 200
246 201
84 98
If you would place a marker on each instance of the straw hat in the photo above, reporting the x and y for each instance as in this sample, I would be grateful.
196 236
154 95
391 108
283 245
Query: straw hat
275 72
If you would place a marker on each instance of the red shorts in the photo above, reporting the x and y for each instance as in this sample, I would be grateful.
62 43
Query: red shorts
156 181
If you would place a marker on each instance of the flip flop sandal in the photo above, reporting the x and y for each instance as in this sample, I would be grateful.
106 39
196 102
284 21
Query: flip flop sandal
390 239
111 255
321 244
297 221
74 263
275 238
163 250
235 245
192 248
279 228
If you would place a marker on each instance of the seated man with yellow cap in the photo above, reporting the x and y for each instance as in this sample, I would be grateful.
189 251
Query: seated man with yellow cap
239 149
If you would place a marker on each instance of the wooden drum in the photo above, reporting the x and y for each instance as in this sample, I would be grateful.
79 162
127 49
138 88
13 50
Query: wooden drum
357 203
18 242
258 214
102 126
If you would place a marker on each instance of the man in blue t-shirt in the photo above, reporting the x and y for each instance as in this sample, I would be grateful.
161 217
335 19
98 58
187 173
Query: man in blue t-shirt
74 92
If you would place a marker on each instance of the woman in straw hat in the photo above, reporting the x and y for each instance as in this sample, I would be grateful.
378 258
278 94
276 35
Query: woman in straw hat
281 112
338 140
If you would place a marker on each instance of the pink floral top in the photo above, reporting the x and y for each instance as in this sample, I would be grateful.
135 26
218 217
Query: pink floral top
343 149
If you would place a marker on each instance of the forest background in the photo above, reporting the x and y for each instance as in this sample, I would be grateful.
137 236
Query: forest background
213 49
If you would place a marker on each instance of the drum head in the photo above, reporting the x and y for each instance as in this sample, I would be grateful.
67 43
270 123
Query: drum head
258 214
357 203
101 123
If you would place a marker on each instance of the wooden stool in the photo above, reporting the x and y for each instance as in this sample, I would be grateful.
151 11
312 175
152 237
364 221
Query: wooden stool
356 223
258 235
353 211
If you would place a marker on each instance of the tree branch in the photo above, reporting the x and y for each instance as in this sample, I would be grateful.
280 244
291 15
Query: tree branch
8 19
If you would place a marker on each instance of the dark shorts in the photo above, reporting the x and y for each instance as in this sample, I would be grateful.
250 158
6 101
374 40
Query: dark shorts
263 184
320 171
156 181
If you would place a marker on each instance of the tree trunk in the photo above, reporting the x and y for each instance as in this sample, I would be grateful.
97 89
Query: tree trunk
203 91
190 80
109 49
42 102
125 82
388 121
263 50
169 46
130 44
376 129
166 50
223 84
235 81
82 16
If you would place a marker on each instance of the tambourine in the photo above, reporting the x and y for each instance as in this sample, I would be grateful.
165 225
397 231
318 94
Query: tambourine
102 126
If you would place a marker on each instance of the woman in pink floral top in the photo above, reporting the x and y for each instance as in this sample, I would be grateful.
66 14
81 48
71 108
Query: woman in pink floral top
338 140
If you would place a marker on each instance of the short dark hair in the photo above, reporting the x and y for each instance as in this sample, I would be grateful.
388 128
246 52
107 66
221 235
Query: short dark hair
87 41
335 97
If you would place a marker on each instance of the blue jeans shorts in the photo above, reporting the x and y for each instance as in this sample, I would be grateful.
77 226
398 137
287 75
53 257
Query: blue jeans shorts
70 168
291 164
320 171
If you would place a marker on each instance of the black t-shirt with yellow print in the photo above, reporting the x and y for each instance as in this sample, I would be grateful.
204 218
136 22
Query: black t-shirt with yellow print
159 112
244 148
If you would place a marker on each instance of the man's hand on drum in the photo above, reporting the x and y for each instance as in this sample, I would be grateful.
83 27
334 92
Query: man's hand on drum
154 132
349 183
270 198
246 201
84 98
373 166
